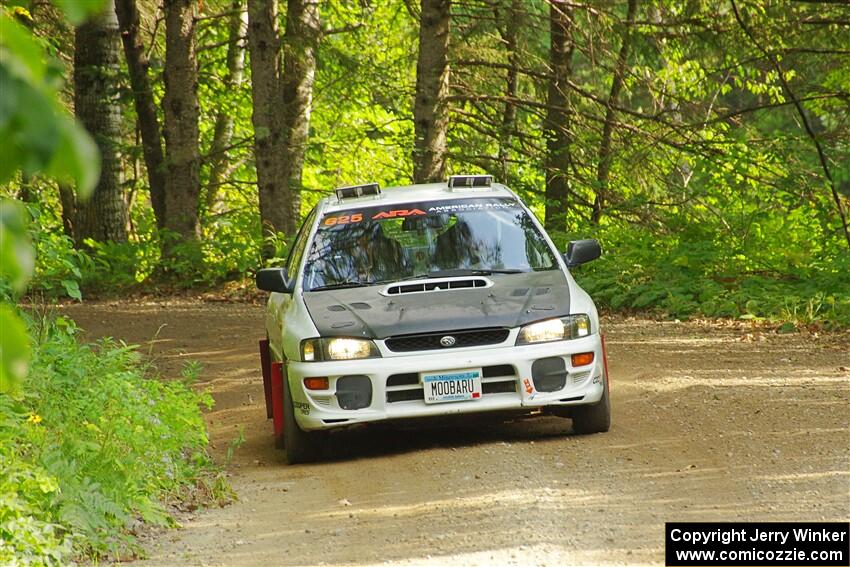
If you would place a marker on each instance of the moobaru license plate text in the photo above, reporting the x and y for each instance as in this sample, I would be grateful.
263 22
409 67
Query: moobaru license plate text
452 386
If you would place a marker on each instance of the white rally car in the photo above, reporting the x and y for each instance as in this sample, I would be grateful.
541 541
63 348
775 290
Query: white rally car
425 301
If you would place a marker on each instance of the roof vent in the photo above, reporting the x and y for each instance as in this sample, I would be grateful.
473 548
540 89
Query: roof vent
354 191
459 181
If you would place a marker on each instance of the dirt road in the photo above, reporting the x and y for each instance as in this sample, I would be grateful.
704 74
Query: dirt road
709 424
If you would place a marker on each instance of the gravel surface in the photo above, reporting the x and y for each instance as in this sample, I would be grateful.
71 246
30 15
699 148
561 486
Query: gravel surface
711 422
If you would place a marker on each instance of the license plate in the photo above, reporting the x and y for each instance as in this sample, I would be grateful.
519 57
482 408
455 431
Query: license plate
451 385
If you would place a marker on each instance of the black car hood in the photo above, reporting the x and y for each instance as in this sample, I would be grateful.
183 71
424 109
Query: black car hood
512 300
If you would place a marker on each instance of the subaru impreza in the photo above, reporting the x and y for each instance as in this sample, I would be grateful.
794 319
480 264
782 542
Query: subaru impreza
427 301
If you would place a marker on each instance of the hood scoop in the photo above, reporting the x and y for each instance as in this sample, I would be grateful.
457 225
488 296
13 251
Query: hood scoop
436 284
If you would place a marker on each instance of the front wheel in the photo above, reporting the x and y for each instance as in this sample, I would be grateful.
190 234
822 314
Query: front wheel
594 418
300 446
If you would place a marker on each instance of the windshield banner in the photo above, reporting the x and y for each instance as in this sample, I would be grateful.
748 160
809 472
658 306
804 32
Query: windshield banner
427 208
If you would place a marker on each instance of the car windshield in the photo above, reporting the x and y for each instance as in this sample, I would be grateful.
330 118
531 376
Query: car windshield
432 239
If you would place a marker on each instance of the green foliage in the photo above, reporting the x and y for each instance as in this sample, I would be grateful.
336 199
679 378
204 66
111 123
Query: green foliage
96 443
38 134
690 276
16 264
16 255
27 534
14 351
77 11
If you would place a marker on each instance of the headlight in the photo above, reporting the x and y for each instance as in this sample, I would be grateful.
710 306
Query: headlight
342 348
571 327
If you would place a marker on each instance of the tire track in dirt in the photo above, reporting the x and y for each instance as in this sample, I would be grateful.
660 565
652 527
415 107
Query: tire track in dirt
706 426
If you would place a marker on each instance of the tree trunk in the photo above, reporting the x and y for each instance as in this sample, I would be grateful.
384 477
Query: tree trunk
603 170
26 192
430 109
223 132
264 45
103 216
69 208
146 118
512 25
300 44
182 181
557 125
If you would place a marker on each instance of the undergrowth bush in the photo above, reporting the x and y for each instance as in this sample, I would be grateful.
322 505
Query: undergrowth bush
229 251
688 275
94 444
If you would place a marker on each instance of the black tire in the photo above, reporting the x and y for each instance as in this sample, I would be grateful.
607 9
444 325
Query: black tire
594 418
300 446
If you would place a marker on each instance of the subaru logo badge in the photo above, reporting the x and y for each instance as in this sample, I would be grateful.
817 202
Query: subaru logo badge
448 341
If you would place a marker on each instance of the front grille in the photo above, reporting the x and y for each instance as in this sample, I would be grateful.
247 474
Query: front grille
405 395
431 341
496 379
498 387
409 379
499 370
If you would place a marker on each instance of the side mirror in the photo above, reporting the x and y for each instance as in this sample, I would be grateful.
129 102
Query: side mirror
582 251
274 279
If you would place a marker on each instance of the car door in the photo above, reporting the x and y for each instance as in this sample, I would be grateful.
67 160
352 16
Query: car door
280 303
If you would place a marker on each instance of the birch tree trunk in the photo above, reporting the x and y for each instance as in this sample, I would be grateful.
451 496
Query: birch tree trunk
300 45
223 132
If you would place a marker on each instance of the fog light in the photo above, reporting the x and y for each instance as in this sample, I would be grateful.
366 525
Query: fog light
317 383
354 392
549 374
582 359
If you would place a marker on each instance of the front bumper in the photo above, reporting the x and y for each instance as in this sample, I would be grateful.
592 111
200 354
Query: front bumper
510 382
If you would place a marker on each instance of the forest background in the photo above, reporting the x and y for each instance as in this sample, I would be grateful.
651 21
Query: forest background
705 144
174 146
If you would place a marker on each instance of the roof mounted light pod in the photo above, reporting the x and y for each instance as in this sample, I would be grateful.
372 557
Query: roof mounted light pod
458 181
353 191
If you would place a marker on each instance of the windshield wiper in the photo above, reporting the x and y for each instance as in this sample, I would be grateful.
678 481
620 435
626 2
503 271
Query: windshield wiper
460 272
501 271
341 285
473 272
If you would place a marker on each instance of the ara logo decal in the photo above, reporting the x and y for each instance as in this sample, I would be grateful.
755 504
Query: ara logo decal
397 213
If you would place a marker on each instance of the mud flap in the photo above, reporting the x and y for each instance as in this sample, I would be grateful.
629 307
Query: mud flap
605 363
277 399
266 365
